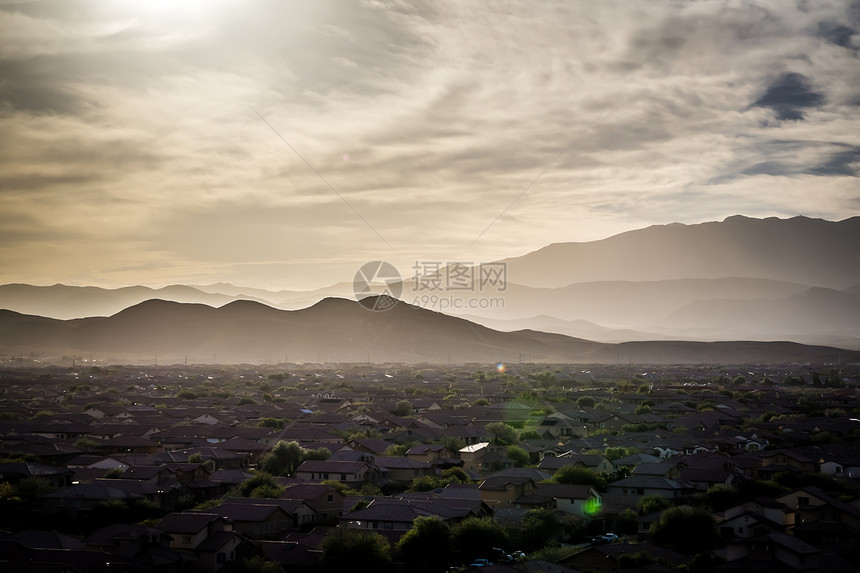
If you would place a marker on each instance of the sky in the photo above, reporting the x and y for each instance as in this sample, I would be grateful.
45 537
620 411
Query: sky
281 144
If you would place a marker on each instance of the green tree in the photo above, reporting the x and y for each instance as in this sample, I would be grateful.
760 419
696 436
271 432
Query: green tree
355 550
585 402
722 497
503 434
113 473
397 450
258 485
456 475
686 529
274 423
403 408
283 460
425 483
519 456
617 452
316 454
453 443
428 545
581 476
475 536
87 444
651 503
540 528
529 435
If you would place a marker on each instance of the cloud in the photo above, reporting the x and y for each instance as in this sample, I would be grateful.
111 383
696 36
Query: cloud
840 163
130 127
837 34
789 96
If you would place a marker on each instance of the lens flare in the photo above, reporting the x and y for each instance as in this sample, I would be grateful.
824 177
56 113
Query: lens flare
500 367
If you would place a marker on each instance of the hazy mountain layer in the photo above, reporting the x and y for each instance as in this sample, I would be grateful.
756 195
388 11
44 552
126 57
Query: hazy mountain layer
798 250
741 279
338 330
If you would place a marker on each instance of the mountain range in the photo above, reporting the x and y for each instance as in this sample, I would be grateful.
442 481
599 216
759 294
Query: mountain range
340 330
769 279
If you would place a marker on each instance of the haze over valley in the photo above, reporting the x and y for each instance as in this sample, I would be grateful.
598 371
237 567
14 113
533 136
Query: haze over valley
740 279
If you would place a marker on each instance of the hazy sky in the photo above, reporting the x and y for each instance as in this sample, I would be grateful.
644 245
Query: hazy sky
157 142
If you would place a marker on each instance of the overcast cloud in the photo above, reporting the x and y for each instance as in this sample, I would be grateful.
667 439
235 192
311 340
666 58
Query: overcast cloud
132 151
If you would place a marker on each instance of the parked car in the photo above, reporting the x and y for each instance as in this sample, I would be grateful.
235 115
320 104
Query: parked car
610 536
480 563
604 538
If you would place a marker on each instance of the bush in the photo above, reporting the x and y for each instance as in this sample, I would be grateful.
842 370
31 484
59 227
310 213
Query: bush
540 528
355 550
651 503
475 536
580 476
519 456
686 529
428 545
261 485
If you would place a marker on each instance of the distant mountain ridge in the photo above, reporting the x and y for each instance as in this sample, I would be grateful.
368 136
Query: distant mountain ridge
792 279
339 330
799 250
64 302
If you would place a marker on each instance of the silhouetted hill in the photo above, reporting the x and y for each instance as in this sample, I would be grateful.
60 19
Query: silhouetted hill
739 279
576 328
339 330
814 311
63 301
801 250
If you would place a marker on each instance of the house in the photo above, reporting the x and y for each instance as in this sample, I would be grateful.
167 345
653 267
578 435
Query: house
325 501
581 500
13 472
562 426
347 472
784 549
428 453
257 520
78 500
594 462
372 446
610 557
395 515
208 537
669 468
402 469
649 485
508 490
148 548
782 460
741 519
484 457
823 520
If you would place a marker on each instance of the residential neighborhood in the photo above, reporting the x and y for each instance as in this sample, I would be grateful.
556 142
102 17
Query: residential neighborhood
524 468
